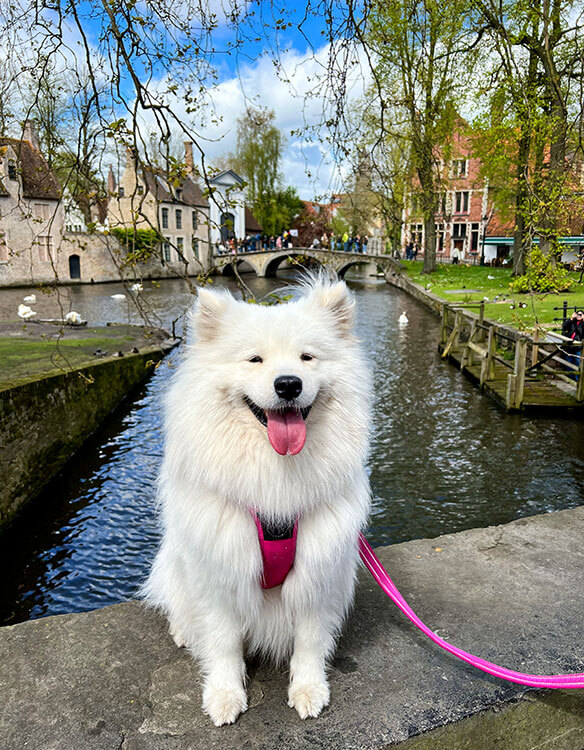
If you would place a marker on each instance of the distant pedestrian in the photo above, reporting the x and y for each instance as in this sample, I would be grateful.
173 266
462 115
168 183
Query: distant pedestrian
346 242
324 241
573 328
365 241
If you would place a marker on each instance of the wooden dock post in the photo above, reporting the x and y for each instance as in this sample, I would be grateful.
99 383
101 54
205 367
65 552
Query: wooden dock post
488 363
580 384
534 346
454 336
444 329
516 381
466 359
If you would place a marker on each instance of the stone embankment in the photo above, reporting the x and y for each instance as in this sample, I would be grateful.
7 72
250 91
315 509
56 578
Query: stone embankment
113 679
46 417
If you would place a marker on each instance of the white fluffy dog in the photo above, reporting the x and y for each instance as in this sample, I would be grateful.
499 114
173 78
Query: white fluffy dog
267 427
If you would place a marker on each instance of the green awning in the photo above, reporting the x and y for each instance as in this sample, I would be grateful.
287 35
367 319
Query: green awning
576 240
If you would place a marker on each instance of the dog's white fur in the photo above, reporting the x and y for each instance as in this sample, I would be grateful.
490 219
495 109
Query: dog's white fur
219 464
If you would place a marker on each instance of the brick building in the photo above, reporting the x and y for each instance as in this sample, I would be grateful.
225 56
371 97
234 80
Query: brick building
466 218
31 212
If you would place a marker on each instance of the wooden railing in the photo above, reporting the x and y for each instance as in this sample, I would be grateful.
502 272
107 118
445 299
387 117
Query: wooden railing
543 355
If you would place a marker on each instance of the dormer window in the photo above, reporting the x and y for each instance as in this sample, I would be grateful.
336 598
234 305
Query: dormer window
11 171
121 192
140 189
179 195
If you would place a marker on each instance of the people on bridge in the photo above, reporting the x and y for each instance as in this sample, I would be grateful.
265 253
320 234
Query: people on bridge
345 240
324 241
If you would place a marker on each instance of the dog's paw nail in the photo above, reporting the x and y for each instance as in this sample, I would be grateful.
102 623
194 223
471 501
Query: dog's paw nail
178 638
309 700
224 706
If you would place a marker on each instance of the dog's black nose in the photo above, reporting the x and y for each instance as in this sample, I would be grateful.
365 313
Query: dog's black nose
288 387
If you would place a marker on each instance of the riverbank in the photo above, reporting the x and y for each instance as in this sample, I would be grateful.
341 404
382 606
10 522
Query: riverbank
113 678
460 283
57 385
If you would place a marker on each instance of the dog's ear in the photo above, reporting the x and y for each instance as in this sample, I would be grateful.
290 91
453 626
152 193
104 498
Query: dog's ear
336 299
208 311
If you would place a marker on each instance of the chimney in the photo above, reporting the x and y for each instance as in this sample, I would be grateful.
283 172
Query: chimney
29 133
111 182
189 161
131 157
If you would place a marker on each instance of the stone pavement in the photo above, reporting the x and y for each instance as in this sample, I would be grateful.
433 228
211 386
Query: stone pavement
514 594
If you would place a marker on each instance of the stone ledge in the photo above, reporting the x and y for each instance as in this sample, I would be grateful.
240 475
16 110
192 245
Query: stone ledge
512 594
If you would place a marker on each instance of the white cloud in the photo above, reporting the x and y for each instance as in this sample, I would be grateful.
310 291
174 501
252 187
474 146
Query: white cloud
294 89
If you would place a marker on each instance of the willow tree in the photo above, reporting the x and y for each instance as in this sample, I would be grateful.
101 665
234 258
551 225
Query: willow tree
418 49
258 156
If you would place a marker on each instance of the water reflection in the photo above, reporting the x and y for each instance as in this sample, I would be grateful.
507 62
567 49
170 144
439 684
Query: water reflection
443 458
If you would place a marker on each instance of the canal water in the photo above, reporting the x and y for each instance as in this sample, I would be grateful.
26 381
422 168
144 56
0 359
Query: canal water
443 457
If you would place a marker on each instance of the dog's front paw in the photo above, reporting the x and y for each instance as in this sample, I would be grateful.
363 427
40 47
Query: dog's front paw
223 705
308 700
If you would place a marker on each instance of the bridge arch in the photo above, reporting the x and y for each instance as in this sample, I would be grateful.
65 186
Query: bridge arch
226 267
342 270
275 261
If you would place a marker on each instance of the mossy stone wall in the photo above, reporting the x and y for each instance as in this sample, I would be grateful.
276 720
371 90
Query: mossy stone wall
44 422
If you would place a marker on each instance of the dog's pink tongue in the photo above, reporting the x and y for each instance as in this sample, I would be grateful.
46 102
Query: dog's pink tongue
286 431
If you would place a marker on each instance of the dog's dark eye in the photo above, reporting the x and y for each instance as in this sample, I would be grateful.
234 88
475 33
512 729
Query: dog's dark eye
255 358
306 357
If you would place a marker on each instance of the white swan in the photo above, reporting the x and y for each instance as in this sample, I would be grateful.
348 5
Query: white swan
73 317
25 312
137 287
30 300
118 296
403 319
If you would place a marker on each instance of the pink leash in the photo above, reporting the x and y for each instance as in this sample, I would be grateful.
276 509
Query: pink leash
552 681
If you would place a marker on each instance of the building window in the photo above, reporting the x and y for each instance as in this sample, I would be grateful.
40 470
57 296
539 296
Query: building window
195 220
459 167
442 202
196 247
121 192
166 249
439 238
11 171
45 243
180 248
164 217
461 202
178 218
474 237
140 189
3 248
41 211
416 233
459 231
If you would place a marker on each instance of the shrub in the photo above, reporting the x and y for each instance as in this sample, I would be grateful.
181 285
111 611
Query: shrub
139 244
542 275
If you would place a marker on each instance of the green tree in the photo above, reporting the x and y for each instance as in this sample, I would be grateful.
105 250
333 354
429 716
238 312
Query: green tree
257 159
539 45
418 49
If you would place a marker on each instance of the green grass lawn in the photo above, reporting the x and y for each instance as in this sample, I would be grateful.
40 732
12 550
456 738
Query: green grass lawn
460 283
24 359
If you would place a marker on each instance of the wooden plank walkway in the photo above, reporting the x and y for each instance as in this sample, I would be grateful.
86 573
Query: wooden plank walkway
539 395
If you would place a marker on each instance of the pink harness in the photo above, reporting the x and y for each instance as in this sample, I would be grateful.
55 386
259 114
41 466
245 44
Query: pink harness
277 555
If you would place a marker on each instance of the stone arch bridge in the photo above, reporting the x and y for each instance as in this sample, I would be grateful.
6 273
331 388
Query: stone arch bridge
266 263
